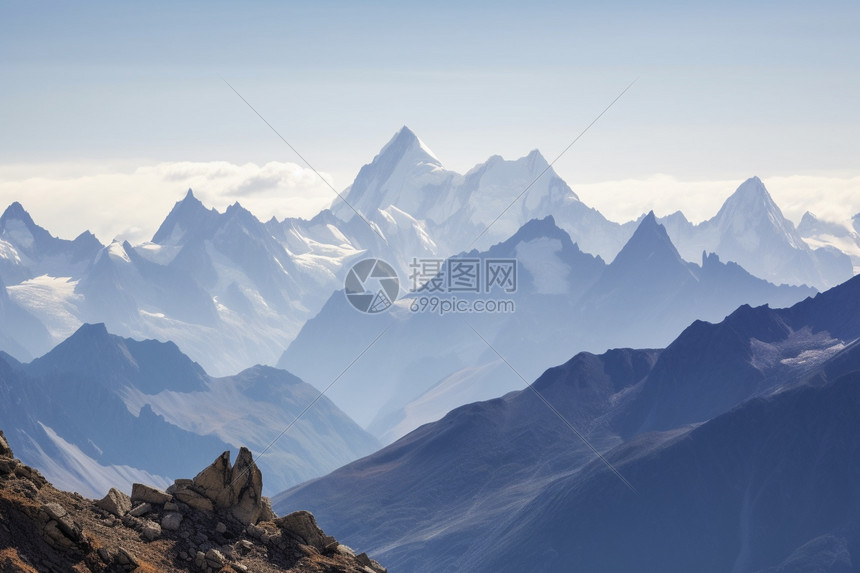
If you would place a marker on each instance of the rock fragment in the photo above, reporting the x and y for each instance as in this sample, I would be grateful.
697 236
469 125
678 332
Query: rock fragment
115 502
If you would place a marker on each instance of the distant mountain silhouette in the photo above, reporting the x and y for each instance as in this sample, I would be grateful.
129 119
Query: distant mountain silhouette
100 408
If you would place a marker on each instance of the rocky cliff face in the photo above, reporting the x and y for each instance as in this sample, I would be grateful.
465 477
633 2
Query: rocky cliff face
217 521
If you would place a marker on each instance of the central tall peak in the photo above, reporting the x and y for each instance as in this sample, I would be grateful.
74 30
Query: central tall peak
397 176
750 198
404 143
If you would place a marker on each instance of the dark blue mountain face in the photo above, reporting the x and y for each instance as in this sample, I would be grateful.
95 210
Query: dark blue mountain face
836 311
466 460
74 390
99 407
81 410
738 438
113 362
712 367
775 481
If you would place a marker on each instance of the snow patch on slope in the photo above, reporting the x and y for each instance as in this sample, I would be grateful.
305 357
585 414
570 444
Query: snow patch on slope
801 349
53 301
8 252
540 258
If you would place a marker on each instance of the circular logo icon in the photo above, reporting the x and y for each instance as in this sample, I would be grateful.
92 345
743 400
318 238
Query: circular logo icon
371 286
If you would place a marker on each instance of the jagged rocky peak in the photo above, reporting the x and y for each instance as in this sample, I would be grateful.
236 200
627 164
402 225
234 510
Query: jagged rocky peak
187 216
237 489
752 203
751 193
406 140
539 228
18 227
217 521
810 226
15 211
649 241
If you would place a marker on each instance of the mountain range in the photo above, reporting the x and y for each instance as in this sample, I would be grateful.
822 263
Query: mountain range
731 450
477 209
233 291
102 411
426 364
705 421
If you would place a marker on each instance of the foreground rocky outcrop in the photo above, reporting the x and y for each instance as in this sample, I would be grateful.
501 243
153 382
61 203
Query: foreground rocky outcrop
216 522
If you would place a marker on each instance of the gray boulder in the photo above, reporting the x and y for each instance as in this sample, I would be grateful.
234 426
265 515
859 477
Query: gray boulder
193 499
149 494
302 526
115 502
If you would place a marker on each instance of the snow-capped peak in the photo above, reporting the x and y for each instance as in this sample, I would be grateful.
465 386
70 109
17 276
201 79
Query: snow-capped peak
396 177
750 199
537 160
187 215
119 251
405 140
750 210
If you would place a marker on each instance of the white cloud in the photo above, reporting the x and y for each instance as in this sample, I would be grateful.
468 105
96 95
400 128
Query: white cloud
131 203
830 197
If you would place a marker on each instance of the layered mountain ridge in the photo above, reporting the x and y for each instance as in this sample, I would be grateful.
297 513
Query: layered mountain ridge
565 300
702 442
737 439
247 287
100 409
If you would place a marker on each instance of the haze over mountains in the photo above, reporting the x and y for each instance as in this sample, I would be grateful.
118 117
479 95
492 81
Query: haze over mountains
739 439
233 291
566 300
731 448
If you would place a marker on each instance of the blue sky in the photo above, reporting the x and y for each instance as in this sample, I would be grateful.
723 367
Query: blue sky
93 95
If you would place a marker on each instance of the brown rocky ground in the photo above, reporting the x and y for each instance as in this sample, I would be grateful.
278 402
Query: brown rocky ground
216 522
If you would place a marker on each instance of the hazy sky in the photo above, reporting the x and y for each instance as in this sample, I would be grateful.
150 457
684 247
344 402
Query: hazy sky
109 111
